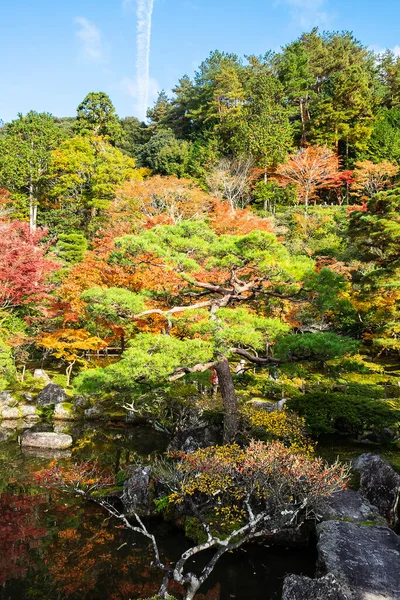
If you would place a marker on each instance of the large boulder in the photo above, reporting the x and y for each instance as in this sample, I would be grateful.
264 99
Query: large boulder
298 587
136 492
364 559
46 439
51 394
380 484
348 505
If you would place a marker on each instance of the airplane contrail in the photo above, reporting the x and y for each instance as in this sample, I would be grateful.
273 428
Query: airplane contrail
144 13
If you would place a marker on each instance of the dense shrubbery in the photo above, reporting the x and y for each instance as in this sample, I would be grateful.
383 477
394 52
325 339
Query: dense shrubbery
332 412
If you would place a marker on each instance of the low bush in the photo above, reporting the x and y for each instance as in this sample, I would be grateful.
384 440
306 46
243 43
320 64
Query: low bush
344 413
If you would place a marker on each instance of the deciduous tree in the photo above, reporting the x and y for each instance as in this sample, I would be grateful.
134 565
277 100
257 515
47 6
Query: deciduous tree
310 169
234 495
24 266
370 178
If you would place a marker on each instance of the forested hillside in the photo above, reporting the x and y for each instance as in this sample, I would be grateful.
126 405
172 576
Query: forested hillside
254 217
230 267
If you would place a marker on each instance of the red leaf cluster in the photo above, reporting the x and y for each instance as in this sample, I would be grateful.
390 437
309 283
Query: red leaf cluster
24 268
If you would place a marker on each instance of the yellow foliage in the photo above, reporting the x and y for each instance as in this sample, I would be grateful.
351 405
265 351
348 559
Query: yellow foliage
283 425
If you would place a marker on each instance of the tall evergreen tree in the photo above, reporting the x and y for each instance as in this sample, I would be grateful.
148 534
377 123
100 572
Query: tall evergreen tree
25 156
96 116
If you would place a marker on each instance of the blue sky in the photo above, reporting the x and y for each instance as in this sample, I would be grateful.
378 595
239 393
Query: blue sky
54 53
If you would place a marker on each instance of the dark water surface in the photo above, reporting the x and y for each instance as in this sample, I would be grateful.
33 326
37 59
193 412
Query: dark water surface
54 547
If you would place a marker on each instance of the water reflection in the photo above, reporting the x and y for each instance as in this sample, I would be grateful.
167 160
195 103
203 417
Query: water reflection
55 547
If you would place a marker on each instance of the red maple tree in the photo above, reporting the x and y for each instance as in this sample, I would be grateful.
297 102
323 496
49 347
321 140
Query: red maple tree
24 267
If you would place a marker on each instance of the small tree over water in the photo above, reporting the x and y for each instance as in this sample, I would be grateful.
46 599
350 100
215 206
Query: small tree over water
235 495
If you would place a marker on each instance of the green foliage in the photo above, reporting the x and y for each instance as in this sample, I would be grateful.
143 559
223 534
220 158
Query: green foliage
162 504
165 154
86 171
7 368
96 116
314 346
384 143
344 413
240 327
25 156
152 358
135 134
187 243
269 195
113 304
323 232
263 128
71 247
376 232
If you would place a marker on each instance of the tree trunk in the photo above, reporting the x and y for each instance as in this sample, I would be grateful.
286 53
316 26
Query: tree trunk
303 142
306 201
32 209
228 394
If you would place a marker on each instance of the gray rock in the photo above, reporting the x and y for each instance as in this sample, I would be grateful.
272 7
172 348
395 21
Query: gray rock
10 424
46 439
80 402
136 493
41 374
62 427
380 484
364 559
9 413
94 413
348 505
190 440
64 412
51 394
47 453
27 410
267 405
298 587
7 399
28 397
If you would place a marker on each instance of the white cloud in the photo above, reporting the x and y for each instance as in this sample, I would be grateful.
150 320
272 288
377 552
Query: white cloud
131 88
380 49
144 14
91 40
308 13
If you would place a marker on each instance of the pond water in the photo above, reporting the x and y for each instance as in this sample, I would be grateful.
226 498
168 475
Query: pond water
54 547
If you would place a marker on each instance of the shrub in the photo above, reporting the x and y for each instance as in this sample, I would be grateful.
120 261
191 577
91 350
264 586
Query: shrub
344 413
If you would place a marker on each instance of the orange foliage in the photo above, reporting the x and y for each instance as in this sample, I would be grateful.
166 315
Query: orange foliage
5 199
83 276
240 222
370 178
310 169
164 199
